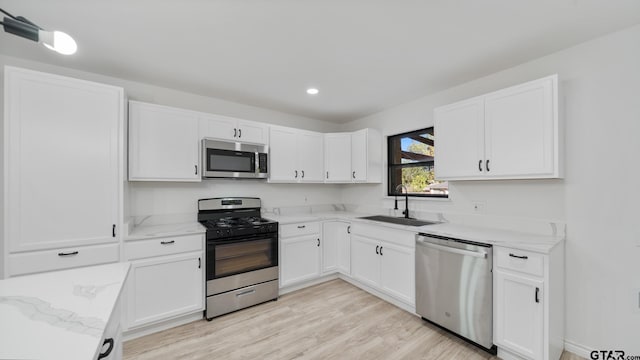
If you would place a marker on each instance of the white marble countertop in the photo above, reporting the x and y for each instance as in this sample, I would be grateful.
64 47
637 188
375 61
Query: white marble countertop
512 239
141 232
518 240
60 314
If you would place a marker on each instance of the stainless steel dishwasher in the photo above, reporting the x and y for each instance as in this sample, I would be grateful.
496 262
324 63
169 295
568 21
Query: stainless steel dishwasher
454 287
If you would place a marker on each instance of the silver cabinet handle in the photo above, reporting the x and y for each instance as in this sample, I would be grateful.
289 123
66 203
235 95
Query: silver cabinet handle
252 291
479 254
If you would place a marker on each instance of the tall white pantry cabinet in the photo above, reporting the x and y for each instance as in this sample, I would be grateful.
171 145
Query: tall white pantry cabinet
62 172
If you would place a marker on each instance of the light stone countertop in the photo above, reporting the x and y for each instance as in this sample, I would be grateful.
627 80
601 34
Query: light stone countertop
155 226
60 314
498 237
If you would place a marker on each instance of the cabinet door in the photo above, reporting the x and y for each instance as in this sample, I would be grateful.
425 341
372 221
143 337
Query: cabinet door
252 132
520 123
329 246
218 127
398 272
300 259
337 157
283 156
518 316
344 248
459 140
163 144
359 156
63 146
365 260
311 157
161 288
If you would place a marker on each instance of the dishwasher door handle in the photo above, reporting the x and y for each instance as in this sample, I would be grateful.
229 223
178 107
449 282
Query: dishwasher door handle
478 254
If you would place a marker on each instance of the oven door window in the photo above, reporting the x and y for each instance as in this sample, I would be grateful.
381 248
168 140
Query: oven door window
239 257
231 161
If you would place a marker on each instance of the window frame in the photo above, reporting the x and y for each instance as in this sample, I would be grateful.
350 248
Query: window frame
390 165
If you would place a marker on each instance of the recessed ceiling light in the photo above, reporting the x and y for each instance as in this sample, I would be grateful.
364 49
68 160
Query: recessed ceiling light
312 91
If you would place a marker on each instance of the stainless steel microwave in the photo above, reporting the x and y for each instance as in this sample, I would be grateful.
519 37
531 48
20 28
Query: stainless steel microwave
228 159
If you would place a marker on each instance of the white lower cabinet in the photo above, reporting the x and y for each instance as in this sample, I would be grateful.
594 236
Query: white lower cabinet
528 303
112 340
383 259
300 251
163 287
336 244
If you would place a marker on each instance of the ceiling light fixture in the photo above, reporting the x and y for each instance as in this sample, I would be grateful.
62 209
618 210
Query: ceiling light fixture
54 40
312 91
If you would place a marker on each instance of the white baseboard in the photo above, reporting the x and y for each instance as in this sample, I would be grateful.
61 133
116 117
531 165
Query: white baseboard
577 349
305 284
154 328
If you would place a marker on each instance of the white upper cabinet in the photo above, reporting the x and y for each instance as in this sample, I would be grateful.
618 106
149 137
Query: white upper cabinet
63 144
508 134
228 128
163 143
353 157
295 155
337 159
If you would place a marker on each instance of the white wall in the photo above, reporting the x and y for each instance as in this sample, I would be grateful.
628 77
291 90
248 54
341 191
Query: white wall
598 199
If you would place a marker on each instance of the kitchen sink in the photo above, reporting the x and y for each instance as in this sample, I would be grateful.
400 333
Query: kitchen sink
399 220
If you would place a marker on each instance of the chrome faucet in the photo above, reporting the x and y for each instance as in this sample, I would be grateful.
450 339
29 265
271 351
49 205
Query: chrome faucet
406 200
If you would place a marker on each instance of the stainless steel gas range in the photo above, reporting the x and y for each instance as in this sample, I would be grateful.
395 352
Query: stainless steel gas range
242 254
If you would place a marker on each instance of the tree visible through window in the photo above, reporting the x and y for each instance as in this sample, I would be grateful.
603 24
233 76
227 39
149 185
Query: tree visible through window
411 163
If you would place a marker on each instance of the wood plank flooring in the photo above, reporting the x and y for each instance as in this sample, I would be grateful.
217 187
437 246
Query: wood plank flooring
333 320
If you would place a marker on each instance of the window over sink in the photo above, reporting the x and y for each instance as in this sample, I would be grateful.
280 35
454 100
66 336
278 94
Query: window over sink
411 164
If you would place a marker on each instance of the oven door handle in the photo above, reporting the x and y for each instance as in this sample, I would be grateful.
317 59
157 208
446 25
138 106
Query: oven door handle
248 292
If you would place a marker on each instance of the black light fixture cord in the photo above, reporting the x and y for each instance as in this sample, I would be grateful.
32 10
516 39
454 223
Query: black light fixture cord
9 15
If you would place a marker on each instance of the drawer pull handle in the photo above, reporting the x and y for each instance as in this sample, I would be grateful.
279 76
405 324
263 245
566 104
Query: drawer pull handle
68 253
252 291
106 353
537 294
524 257
167 242
302 226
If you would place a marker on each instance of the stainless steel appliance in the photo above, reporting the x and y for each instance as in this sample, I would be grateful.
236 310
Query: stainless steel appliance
454 287
242 254
228 159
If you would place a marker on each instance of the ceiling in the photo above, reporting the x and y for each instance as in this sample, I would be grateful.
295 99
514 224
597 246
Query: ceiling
363 55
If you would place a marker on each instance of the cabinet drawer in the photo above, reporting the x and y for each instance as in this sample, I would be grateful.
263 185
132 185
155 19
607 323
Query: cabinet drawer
58 259
519 260
162 246
298 229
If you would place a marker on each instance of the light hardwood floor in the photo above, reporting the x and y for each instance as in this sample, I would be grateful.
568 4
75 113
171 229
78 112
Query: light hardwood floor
333 320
